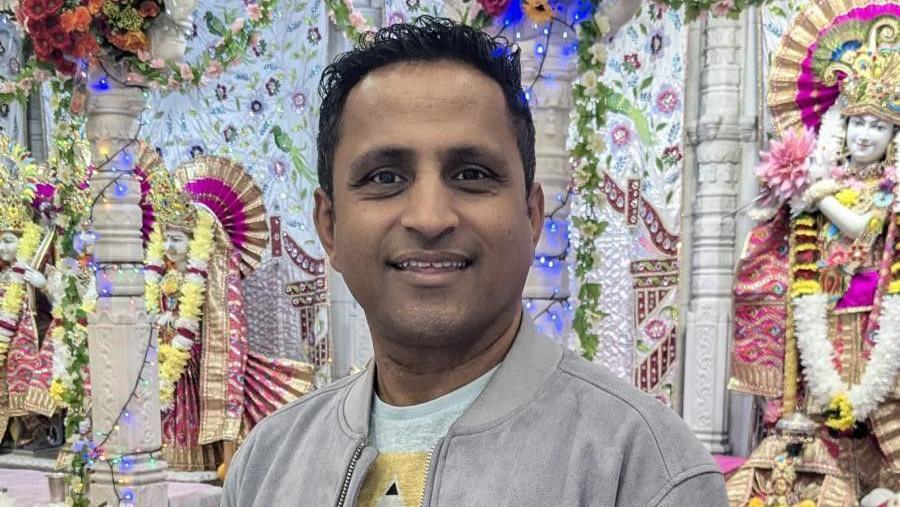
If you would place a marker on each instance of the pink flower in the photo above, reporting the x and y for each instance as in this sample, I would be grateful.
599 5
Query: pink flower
837 172
358 22
494 8
838 257
254 12
25 84
237 25
143 56
722 7
186 73
157 63
134 77
7 87
783 169
621 136
214 70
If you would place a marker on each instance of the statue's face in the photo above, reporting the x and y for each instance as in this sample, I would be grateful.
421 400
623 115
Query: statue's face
8 244
868 138
175 245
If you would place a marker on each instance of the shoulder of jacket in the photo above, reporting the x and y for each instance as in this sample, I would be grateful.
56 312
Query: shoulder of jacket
669 435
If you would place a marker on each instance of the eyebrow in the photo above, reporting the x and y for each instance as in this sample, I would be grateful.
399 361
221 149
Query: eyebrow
381 156
469 152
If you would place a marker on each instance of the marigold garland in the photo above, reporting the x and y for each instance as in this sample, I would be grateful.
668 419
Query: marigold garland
14 292
173 357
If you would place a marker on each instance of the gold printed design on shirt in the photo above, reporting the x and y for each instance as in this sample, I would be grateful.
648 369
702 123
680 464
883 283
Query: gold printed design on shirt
404 470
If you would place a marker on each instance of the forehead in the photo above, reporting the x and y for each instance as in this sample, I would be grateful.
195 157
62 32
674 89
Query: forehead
869 118
424 105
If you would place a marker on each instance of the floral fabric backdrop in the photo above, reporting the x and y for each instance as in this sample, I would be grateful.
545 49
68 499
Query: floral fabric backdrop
263 113
774 19
638 254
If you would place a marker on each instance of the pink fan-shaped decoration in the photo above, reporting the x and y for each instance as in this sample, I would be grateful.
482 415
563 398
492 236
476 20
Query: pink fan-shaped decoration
783 170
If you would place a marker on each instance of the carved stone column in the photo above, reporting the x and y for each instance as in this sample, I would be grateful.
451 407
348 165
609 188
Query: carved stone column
551 103
716 138
119 330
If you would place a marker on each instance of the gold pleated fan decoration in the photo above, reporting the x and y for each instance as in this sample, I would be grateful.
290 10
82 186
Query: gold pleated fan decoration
223 187
827 30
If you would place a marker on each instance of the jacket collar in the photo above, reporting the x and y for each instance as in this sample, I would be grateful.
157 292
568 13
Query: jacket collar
531 359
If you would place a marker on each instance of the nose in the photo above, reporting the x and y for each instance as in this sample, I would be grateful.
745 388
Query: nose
429 209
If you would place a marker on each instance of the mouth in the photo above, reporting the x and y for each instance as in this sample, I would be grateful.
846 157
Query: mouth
430 269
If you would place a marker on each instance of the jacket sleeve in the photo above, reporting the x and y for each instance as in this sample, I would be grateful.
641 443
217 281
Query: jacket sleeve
703 490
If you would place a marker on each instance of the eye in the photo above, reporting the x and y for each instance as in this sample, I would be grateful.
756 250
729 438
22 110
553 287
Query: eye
472 173
385 178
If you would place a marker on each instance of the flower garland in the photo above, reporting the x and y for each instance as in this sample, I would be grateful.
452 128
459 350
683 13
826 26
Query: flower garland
586 145
238 34
14 292
844 407
173 356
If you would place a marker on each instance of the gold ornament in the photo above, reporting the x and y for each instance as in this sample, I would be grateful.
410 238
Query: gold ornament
172 207
18 175
869 77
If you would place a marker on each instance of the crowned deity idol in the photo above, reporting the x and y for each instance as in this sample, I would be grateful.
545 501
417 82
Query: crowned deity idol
26 358
817 294
208 228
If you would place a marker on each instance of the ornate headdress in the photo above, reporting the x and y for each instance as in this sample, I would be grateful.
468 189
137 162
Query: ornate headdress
837 48
216 185
18 178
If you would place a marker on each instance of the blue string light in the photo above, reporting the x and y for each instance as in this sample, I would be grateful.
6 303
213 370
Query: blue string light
101 85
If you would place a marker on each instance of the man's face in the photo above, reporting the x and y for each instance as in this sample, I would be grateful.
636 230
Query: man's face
430 225
175 245
8 244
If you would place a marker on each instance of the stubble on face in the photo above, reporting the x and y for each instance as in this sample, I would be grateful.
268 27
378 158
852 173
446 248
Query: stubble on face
427 173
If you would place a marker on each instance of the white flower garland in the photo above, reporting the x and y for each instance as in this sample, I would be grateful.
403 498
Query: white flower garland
817 355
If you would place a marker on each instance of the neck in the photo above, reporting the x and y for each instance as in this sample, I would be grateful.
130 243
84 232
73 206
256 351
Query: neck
440 370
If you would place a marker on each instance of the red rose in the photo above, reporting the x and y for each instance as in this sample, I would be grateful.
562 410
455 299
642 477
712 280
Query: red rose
34 9
149 9
42 47
59 38
66 67
494 7
54 6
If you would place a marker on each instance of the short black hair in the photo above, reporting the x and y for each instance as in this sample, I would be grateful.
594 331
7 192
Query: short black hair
424 40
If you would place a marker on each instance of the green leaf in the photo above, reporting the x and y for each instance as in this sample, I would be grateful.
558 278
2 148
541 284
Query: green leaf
620 104
214 24
646 82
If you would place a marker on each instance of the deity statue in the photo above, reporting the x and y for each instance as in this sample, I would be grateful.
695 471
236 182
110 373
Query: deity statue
208 228
817 294
26 356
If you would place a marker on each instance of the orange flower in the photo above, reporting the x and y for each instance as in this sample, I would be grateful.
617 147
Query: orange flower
86 46
94 6
130 41
538 10
78 20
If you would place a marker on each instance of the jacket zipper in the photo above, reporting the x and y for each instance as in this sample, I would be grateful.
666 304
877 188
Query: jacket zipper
428 471
346 487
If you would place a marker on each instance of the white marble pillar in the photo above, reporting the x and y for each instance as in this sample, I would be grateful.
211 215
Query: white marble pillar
551 102
118 332
716 140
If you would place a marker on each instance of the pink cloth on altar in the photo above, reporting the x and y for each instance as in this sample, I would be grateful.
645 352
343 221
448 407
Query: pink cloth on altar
728 464
861 291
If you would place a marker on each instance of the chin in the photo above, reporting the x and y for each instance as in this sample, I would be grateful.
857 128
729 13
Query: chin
429 326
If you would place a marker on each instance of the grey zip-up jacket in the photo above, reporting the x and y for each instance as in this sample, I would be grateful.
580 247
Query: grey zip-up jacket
550 429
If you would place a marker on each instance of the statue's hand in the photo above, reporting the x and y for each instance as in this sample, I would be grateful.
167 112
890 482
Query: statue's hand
35 278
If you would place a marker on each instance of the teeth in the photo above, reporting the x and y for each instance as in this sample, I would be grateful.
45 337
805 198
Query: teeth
432 265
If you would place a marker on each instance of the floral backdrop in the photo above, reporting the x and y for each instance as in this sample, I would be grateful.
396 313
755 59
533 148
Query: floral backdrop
637 259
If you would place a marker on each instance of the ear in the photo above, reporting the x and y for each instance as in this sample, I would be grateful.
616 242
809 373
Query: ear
536 212
324 218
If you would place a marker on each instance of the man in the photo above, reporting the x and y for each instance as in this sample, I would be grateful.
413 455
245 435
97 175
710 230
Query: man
428 209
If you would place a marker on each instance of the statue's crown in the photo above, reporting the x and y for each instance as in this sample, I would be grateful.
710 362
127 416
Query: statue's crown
869 75
18 174
172 207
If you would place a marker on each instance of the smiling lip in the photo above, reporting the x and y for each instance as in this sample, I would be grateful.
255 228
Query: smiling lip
430 269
